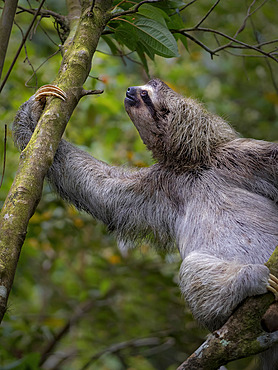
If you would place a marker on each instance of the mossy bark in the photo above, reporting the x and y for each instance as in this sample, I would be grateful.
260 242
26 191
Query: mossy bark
86 26
241 336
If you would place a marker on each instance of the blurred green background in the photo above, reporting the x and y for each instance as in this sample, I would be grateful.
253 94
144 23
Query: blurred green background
74 295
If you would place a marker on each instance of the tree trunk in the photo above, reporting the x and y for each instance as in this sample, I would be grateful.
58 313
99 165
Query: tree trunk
37 157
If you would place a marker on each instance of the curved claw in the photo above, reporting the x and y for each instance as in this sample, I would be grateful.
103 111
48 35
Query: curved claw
50 90
273 285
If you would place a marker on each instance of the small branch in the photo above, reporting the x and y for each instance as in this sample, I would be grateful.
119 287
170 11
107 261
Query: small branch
26 56
21 46
198 42
143 342
216 32
208 13
46 13
184 7
218 349
4 156
36 69
259 7
80 311
93 5
266 43
25 191
134 10
90 92
246 46
267 61
241 336
232 40
241 28
243 25
6 23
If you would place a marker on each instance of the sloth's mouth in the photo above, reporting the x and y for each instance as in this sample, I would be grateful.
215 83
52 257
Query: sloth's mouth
131 100
130 96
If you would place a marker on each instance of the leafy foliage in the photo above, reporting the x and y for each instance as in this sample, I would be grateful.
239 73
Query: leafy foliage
70 270
146 33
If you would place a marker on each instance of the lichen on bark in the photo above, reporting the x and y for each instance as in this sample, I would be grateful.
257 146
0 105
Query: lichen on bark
86 27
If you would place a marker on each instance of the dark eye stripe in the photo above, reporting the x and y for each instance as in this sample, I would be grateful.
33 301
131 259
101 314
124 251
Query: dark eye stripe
148 102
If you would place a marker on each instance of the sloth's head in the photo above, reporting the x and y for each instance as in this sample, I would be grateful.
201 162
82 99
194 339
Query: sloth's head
177 130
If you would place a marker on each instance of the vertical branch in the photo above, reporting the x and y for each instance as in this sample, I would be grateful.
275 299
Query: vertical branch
21 46
6 23
38 155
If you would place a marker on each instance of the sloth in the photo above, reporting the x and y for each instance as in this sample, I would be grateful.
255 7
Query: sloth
210 194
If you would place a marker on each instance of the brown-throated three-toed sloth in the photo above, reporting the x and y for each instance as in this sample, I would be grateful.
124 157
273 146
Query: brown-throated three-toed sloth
211 193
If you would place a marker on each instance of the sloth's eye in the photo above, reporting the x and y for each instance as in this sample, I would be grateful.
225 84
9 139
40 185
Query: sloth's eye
144 93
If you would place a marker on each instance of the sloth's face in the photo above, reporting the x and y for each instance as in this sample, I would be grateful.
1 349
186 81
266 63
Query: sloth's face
144 95
147 108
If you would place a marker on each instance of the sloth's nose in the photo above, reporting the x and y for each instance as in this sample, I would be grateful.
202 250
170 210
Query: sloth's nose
131 92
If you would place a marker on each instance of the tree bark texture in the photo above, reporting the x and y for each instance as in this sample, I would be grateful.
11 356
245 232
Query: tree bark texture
242 335
37 157
6 23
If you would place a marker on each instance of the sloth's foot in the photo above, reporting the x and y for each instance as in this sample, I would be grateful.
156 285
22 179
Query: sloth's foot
49 90
273 285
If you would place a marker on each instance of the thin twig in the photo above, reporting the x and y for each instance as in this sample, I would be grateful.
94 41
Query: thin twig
80 311
272 76
256 46
259 7
266 43
183 7
26 55
198 42
45 13
267 61
134 10
243 25
241 28
210 30
21 45
4 157
142 342
48 36
232 40
91 92
208 13
35 70
93 5
6 24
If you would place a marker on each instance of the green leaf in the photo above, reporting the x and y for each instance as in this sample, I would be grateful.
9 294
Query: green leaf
29 362
175 22
140 51
126 34
154 36
176 3
147 49
149 11
183 39
111 44
170 6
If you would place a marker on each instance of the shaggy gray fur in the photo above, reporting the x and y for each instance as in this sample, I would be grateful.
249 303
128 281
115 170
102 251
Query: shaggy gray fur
211 194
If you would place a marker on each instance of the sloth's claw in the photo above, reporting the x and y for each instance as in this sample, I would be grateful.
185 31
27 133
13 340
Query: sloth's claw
273 285
50 90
